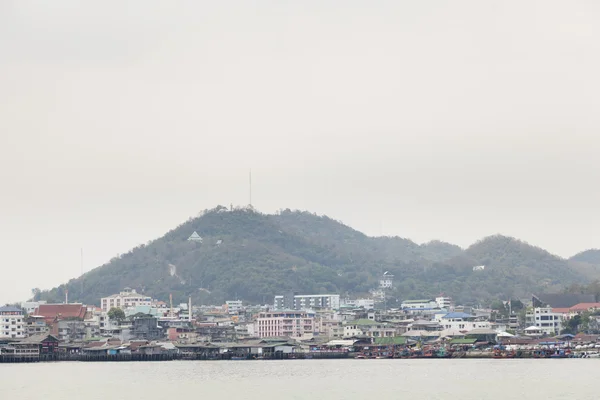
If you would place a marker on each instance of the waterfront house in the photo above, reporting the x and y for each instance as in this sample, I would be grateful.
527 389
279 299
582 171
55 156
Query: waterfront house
36 346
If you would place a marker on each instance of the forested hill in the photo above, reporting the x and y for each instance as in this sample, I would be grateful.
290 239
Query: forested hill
252 256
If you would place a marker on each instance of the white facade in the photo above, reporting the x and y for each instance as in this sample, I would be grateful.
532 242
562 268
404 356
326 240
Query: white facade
30 306
128 298
12 323
367 304
309 302
419 304
444 302
295 324
461 323
549 322
234 306
386 281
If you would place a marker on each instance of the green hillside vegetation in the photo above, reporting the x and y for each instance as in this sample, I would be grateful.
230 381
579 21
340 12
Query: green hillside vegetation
591 256
252 256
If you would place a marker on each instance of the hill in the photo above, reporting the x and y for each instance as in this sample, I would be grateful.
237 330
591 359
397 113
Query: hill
591 256
587 263
252 256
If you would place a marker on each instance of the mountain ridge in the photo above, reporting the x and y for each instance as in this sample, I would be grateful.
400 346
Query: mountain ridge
254 256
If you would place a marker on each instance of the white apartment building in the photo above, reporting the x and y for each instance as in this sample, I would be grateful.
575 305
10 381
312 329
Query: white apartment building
295 324
367 304
367 327
386 281
461 322
444 302
12 323
128 298
544 318
234 306
307 302
425 304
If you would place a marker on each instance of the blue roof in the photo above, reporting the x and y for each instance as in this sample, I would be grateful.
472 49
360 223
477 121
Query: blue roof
457 315
10 309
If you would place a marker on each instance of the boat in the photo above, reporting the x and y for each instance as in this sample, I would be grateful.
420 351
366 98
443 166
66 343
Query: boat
235 358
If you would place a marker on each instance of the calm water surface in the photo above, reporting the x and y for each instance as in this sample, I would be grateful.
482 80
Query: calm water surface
306 379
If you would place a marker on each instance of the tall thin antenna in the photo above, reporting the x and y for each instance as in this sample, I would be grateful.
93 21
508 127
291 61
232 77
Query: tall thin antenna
250 187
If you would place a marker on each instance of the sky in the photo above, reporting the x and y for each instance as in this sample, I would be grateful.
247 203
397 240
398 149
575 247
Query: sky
449 120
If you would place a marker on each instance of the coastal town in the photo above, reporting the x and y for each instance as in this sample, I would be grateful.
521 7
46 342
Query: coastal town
132 326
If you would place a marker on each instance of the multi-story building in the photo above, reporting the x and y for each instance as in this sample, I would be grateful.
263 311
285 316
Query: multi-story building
444 302
386 281
368 327
461 322
35 325
128 298
234 306
307 302
425 304
544 318
367 304
329 324
293 323
12 323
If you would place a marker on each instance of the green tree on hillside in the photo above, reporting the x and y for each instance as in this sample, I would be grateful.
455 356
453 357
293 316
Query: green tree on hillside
116 314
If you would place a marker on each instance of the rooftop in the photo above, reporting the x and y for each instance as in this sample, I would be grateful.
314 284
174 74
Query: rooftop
457 315
52 311
416 301
10 309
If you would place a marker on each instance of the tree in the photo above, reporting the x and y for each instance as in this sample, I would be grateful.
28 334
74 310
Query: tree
116 314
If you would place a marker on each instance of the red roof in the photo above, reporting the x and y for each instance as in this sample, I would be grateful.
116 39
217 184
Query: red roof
584 306
50 312
561 310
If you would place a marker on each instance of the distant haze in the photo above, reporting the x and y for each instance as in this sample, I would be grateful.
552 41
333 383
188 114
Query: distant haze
446 120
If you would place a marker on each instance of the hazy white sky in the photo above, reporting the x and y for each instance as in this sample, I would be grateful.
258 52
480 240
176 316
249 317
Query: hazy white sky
446 120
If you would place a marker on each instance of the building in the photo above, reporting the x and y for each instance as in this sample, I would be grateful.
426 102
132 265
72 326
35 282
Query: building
417 305
36 346
35 325
461 322
367 304
54 312
561 300
234 306
126 299
293 323
386 281
544 318
307 302
329 324
12 323
68 330
30 306
146 327
444 302
368 327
